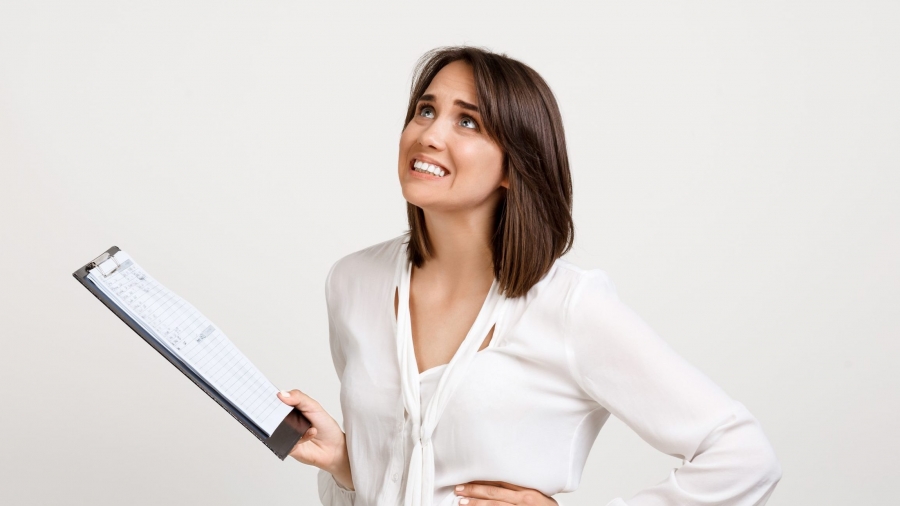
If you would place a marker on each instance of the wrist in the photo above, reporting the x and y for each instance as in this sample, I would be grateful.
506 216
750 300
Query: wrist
340 466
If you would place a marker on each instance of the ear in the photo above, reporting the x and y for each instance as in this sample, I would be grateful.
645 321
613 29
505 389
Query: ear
505 182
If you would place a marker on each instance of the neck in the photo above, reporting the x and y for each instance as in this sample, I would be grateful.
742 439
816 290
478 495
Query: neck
461 247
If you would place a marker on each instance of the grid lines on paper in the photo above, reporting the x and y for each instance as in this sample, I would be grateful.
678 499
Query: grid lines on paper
191 336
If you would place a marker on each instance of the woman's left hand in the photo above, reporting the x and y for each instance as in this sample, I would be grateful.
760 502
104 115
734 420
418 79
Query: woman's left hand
500 493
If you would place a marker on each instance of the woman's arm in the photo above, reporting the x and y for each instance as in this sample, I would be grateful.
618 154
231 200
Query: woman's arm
623 365
335 482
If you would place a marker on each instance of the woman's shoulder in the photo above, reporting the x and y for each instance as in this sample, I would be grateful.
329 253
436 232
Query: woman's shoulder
375 261
573 280
563 288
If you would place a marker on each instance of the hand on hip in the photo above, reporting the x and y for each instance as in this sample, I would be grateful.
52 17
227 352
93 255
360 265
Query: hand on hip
499 493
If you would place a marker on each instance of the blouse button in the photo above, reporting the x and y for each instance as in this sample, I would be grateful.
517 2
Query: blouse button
395 477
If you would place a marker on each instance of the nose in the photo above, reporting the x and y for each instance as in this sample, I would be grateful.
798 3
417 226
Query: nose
433 136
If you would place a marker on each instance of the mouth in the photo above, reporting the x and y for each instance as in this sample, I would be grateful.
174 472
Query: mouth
428 169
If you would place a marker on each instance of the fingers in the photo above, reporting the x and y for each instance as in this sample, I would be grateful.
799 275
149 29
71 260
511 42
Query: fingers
305 404
500 493
484 502
314 412
501 484
309 434
299 400
488 493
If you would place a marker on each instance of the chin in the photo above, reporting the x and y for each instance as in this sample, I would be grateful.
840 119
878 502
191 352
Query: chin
416 199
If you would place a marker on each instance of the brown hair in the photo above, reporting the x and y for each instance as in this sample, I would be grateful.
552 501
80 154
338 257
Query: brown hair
534 223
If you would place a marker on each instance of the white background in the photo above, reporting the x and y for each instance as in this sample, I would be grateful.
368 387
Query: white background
735 168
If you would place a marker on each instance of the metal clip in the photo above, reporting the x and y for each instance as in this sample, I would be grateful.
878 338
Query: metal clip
102 258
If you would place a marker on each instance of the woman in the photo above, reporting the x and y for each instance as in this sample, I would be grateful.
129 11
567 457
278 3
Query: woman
490 379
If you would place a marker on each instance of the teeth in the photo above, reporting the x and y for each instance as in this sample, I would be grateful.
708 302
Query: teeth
421 166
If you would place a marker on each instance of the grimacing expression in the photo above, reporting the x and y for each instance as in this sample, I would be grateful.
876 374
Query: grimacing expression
447 161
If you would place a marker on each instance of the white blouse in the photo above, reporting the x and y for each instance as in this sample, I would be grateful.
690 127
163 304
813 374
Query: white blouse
527 408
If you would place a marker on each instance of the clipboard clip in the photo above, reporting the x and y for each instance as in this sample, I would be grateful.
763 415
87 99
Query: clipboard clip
103 258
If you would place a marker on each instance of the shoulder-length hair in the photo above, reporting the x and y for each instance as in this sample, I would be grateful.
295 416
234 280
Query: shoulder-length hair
533 224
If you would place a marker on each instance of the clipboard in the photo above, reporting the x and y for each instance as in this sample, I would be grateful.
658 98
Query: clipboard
282 439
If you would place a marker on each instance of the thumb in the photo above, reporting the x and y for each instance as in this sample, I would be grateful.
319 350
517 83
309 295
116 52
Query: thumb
301 401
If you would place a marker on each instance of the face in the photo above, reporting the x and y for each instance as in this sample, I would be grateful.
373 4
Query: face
447 161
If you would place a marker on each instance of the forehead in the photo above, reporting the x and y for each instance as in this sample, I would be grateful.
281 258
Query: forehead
454 80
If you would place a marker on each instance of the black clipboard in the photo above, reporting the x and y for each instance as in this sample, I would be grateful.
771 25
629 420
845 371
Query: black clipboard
285 436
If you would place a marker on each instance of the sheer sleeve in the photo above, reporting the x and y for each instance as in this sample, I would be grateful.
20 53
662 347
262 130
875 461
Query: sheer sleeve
628 369
331 493
337 352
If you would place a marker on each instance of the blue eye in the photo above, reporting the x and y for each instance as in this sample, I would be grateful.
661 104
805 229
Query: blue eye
471 121
426 108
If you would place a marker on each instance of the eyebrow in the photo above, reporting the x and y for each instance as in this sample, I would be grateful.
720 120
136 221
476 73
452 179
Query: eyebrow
465 105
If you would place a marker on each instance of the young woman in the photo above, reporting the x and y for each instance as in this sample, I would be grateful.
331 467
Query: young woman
476 365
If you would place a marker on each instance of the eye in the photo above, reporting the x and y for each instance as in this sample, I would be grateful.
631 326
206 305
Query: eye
468 122
425 110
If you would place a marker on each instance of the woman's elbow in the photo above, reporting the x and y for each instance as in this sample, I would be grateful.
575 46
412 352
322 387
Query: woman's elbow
765 463
772 467
760 466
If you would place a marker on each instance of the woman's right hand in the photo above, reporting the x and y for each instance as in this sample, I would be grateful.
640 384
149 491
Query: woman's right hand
324 445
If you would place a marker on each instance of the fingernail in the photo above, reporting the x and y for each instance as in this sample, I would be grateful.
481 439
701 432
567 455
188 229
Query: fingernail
284 394
464 501
459 488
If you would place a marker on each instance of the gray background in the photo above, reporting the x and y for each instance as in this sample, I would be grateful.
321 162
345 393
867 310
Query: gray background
735 170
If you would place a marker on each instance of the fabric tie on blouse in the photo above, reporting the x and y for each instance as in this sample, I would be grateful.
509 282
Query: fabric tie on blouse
420 479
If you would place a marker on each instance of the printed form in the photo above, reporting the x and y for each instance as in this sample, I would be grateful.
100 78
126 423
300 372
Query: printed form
189 335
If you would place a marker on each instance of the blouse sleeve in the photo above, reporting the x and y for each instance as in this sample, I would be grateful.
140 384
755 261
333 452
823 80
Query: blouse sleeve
620 362
337 352
331 493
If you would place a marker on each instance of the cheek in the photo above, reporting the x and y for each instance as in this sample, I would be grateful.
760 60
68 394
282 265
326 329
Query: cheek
486 162
407 137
